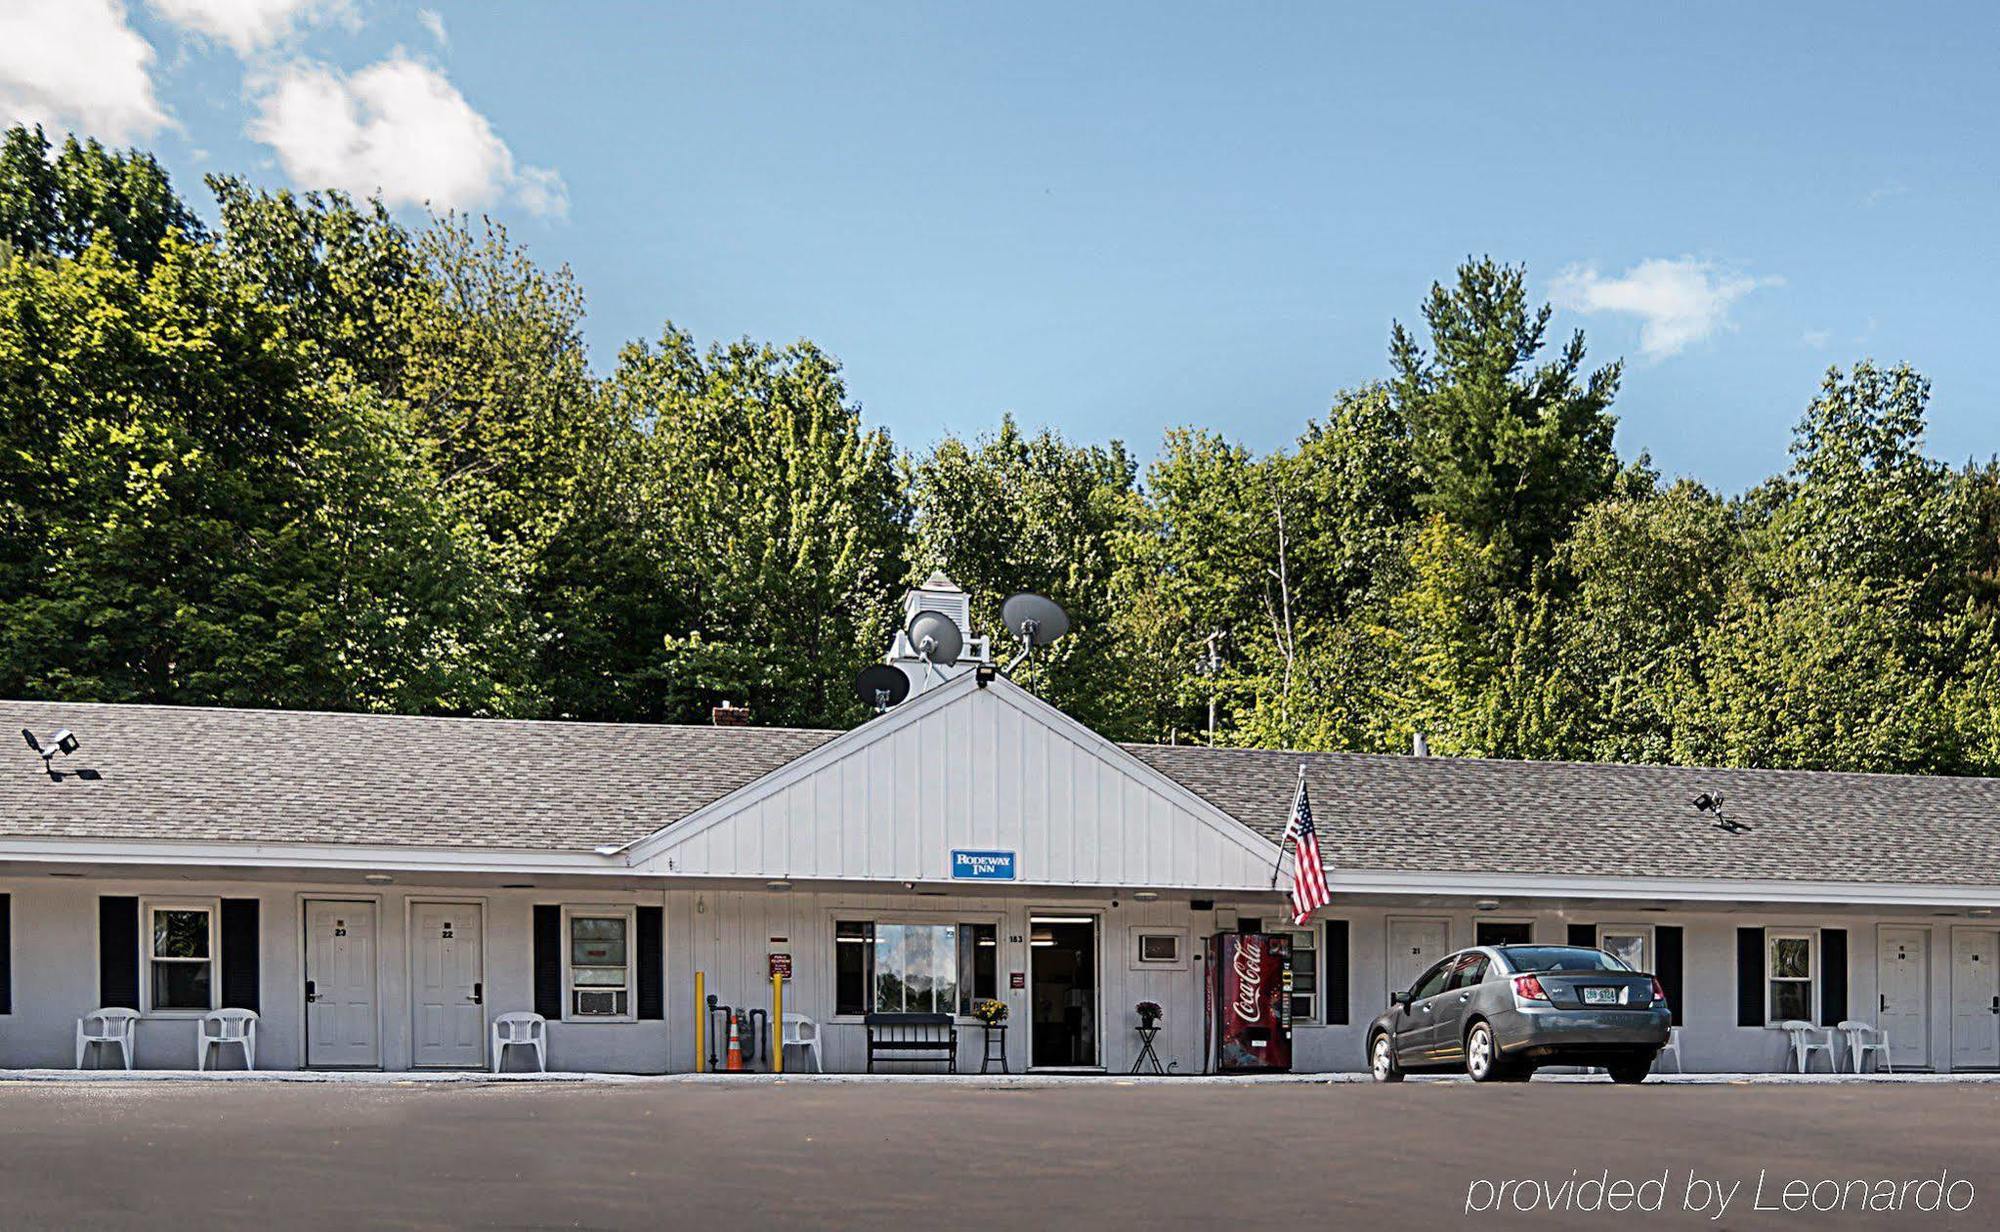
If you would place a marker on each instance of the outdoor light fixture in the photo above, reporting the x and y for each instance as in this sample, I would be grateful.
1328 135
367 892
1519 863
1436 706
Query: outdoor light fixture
64 742
984 674
378 878
1980 913
778 883
1488 904
1145 896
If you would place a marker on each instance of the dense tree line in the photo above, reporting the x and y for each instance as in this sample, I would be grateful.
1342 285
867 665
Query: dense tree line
308 456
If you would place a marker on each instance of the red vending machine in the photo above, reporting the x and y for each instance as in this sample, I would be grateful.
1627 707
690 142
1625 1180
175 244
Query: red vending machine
1249 1003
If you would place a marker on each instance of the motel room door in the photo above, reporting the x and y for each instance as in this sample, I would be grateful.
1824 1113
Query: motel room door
341 1020
447 984
1415 942
1975 999
1062 989
1903 1003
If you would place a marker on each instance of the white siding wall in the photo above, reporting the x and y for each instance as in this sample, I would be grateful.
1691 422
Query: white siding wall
55 961
989 768
726 935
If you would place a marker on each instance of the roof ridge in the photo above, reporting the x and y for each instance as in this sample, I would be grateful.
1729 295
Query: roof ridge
497 720
1561 763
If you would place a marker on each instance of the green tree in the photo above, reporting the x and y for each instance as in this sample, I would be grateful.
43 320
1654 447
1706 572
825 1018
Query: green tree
774 520
1507 448
1014 512
61 205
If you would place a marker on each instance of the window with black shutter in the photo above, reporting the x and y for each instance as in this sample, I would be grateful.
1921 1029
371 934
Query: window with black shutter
1334 949
118 951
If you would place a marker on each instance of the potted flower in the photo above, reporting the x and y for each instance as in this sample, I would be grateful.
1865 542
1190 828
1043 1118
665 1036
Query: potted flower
992 1013
1149 1013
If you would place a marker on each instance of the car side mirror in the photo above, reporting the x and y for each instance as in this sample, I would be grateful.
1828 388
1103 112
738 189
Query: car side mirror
1400 999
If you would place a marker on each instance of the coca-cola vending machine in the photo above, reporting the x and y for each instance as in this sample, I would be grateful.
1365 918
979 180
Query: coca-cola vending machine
1249 1003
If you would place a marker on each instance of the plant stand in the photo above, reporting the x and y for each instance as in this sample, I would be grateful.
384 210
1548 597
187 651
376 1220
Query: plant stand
1146 1053
996 1047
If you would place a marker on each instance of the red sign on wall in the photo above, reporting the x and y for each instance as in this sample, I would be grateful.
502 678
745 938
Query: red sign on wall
1017 979
781 966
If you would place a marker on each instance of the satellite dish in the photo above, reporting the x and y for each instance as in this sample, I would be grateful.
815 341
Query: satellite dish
1035 619
936 638
880 686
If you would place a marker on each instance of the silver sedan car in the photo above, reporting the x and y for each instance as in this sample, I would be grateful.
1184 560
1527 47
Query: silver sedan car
1501 1011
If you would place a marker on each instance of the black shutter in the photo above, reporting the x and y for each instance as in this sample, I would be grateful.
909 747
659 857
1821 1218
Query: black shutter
6 954
1833 983
1749 977
1333 981
548 961
240 954
118 952
1584 935
652 968
1667 938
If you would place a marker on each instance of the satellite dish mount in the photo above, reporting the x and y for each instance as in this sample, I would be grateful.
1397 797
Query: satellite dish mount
1036 619
937 641
880 686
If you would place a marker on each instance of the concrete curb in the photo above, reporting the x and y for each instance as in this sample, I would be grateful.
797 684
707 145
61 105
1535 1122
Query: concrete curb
465 1078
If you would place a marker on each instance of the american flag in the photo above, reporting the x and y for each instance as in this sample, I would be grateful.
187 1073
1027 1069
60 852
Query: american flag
1309 892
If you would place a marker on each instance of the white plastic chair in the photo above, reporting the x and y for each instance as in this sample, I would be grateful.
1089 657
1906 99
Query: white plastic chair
525 1030
110 1025
1804 1045
1673 1047
802 1032
1864 1038
231 1027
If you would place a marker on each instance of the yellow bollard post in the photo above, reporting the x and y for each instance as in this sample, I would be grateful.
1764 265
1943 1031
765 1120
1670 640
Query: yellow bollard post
700 1025
777 1023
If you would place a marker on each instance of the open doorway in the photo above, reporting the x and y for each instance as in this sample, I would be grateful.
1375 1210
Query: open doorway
1063 986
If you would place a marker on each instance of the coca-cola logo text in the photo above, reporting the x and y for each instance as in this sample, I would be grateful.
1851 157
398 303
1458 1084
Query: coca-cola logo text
1249 980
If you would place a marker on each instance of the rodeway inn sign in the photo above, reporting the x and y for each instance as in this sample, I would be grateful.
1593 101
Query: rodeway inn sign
982 865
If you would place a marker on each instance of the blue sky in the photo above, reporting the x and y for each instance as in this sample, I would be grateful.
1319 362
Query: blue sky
1116 219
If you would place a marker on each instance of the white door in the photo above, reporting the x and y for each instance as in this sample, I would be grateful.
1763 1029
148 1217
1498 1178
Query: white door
1903 1007
340 984
447 984
1414 944
1975 999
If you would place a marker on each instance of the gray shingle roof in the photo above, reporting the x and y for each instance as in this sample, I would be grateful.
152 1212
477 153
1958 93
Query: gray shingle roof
1464 815
271 776
275 776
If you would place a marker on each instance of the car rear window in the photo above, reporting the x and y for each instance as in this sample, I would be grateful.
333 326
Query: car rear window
1535 959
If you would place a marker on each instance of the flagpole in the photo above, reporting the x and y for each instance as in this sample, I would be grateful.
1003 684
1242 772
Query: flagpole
1278 864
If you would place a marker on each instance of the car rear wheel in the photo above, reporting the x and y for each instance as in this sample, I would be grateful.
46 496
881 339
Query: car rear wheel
1632 1071
1482 1055
1382 1059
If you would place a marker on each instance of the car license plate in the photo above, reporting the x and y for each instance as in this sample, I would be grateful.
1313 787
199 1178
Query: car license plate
1600 996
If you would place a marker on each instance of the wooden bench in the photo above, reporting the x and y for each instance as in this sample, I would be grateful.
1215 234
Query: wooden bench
895 1035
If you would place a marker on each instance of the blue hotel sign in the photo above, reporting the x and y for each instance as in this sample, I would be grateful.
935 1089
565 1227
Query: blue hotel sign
982 865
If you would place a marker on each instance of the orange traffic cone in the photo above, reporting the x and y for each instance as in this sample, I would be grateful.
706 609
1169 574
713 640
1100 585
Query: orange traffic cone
735 1046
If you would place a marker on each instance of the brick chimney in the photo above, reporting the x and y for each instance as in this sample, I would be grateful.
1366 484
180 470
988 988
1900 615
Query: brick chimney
728 714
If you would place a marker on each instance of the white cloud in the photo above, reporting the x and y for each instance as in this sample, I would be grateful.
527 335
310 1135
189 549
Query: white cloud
246 25
432 21
1678 302
397 128
80 64
1817 338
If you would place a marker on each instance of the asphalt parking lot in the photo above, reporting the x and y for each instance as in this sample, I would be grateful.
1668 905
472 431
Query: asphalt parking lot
1098 1154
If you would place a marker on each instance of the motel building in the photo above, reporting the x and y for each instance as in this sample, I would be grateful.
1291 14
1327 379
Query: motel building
379 888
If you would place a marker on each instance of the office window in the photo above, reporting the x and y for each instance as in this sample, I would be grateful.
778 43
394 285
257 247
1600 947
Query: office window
892 967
